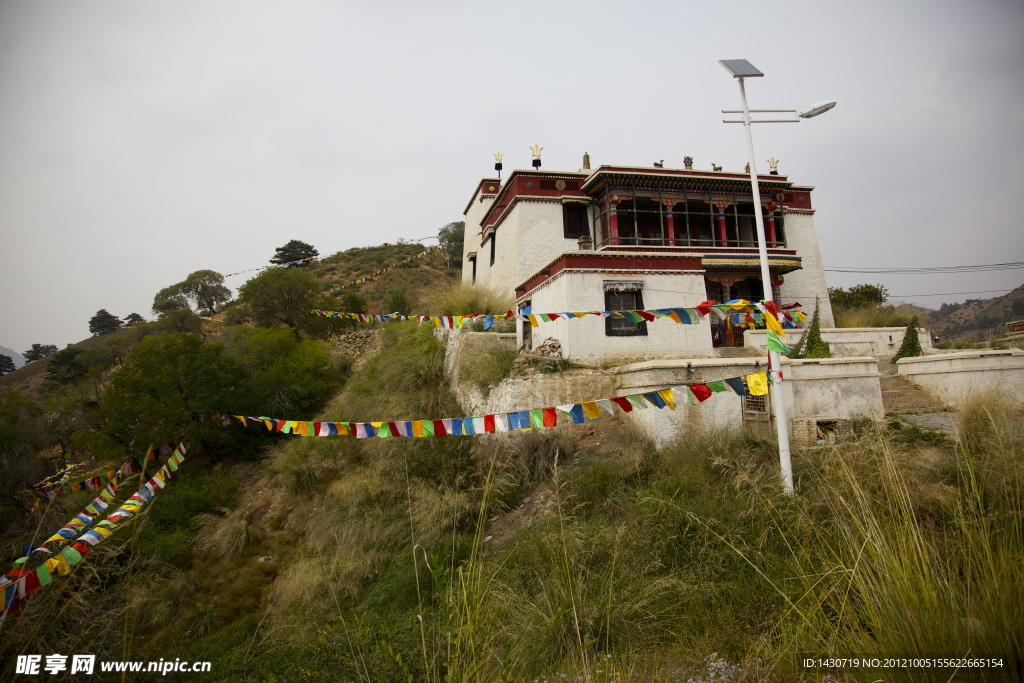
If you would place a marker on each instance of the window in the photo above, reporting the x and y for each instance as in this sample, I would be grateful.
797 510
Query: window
473 261
623 300
494 236
574 220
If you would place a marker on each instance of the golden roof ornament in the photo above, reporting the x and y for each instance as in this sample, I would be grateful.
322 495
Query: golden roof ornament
773 165
536 150
497 162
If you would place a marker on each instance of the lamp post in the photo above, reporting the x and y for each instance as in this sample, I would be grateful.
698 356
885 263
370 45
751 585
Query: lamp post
741 69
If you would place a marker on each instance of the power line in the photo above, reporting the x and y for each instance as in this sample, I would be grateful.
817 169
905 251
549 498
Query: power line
987 291
929 269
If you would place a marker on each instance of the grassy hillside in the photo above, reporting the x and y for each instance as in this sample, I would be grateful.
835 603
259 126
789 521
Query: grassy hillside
978 319
574 553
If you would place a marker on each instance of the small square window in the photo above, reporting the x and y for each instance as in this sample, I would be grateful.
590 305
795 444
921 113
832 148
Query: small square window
624 300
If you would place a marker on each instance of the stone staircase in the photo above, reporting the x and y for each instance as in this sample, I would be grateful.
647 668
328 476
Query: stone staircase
899 395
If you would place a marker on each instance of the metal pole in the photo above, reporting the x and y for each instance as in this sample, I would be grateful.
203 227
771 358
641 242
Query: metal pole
774 360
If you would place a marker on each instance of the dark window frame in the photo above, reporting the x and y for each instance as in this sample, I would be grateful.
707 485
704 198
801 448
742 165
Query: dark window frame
575 221
624 300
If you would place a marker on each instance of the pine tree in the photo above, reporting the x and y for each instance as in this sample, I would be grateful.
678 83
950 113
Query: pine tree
911 345
811 345
7 365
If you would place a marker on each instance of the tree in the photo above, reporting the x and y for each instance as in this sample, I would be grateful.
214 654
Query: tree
165 384
280 295
204 288
397 301
104 322
6 364
295 250
64 367
858 296
38 352
451 237
911 345
811 345
170 299
133 319
353 302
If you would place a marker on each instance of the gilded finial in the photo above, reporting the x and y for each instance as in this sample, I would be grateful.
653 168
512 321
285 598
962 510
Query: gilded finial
536 149
498 157
773 164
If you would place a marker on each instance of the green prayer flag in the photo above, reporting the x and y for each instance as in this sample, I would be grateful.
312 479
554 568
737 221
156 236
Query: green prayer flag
43 574
637 401
72 556
718 385
775 344
428 428
537 418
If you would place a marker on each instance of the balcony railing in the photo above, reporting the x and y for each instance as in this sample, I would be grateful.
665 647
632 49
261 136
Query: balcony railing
681 242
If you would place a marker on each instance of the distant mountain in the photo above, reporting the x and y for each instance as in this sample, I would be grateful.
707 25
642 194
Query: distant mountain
18 360
975 319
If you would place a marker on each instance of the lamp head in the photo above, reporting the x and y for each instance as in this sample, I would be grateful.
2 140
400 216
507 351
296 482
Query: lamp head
813 110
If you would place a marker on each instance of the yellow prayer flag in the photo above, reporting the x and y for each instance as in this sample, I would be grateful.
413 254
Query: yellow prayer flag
668 397
773 324
417 427
757 384
591 410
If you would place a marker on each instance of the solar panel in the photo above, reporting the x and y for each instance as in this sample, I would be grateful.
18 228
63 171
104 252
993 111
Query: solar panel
740 67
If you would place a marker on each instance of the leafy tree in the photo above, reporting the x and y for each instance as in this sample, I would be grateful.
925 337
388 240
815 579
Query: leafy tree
295 250
397 301
169 299
179 320
6 364
811 345
134 319
911 345
353 302
451 237
280 296
38 352
858 296
104 323
64 367
283 374
204 288
167 382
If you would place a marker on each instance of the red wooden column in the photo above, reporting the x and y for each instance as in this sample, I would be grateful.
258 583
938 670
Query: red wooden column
670 225
723 240
769 210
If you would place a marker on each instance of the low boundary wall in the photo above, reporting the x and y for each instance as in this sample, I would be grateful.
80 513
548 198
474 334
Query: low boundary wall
849 342
953 377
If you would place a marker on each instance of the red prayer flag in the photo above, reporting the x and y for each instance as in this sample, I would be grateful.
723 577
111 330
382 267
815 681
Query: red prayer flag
550 417
439 429
82 548
623 402
488 423
649 317
394 429
701 391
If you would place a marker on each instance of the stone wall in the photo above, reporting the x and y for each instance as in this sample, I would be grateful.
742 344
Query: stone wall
954 377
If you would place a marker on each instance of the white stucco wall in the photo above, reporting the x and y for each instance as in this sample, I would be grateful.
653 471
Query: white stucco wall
953 377
809 282
585 340
830 389
849 341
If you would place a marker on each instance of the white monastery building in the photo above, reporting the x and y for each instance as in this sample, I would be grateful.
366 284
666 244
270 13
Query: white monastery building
629 238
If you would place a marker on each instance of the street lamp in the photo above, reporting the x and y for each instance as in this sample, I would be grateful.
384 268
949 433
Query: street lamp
741 69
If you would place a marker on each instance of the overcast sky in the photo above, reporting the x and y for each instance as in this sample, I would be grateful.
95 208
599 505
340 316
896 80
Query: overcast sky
141 141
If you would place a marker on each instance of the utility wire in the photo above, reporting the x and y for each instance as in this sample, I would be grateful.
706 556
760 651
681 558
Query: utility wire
986 291
929 269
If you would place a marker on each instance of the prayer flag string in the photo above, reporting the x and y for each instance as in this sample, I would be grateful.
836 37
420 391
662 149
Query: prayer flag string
754 384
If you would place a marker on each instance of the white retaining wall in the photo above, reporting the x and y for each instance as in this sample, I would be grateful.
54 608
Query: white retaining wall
953 377
849 341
